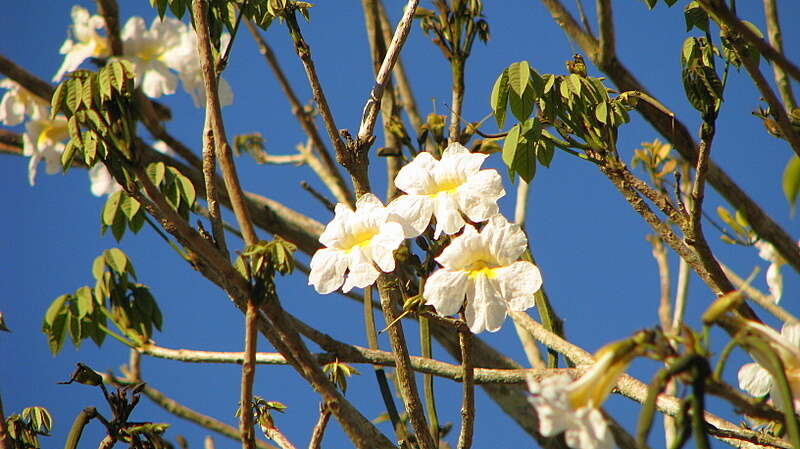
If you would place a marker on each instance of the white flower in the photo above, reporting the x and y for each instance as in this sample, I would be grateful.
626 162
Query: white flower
43 139
151 52
87 43
446 189
768 252
19 102
102 181
574 407
756 380
355 242
483 268
186 61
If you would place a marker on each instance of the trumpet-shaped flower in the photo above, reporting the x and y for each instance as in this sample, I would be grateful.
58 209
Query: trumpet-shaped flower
87 42
482 268
355 242
446 189
768 252
18 102
756 380
44 140
573 407
152 53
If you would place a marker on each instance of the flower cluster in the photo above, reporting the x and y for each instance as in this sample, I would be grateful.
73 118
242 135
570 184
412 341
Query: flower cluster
160 54
481 271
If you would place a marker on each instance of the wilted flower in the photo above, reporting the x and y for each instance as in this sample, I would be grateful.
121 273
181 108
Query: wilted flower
573 407
482 267
768 252
356 241
756 380
19 102
44 139
87 43
445 189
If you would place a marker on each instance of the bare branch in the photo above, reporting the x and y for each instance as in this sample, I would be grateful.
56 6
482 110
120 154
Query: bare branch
776 40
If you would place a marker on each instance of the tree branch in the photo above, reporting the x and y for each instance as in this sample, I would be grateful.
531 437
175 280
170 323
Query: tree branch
776 41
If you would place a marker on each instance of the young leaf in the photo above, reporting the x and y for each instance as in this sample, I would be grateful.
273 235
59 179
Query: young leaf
116 260
518 75
510 146
85 301
522 107
499 99
111 208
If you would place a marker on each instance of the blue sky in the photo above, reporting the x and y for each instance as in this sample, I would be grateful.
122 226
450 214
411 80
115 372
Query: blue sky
596 263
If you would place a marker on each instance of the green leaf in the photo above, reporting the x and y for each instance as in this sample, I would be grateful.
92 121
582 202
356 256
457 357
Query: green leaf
104 80
116 260
97 121
89 90
90 148
791 182
135 224
85 301
68 155
695 16
518 75
155 172
74 94
601 112
499 99
98 266
545 152
130 206
55 308
118 227
522 107
118 80
525 161
510 146
187 188
178 7
549 83
57 332
574 82
74 329
74 131
57 102
111 208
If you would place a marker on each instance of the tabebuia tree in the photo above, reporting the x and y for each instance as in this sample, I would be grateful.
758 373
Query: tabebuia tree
478 270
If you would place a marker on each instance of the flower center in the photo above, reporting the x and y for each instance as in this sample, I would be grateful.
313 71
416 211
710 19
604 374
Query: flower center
360 240
482 268
50 134
149 52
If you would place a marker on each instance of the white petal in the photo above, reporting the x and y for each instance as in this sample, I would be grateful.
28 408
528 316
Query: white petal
775 281
368 204
412 212
381 247
486 309
505 240
477 197
74 58
459 254
12 111
459 159
448 217
225 93
415 177
754 379
334 233
327 270
445 291
361 271
518 282
158 80
32 165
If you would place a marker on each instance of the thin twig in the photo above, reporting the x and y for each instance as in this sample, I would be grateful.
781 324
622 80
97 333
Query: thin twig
319 429
5 438
681 292
209 177
327 170
248 376
213 108
468 398
318 196
765 301
776 40
273 433
605 22
392 53
665 303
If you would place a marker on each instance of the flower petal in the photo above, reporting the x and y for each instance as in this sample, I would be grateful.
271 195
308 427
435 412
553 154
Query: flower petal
458 255
381 247
448 217
445 291
485 310
505 240
791 332
754 379
327 270
415 177
157 80
362 272
775 281
413 212
477 197
517 283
